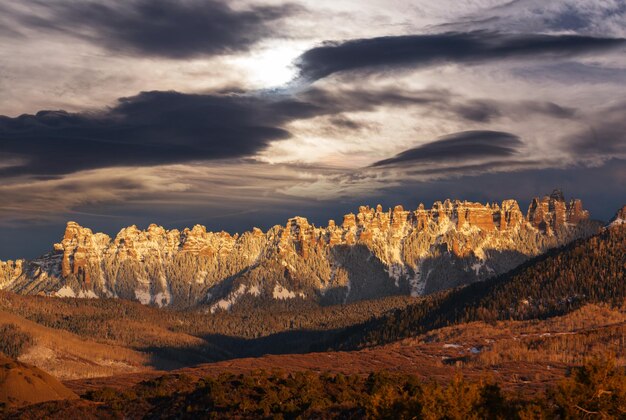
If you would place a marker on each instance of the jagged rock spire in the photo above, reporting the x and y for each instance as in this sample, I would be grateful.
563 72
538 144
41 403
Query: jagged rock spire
552 212
373 253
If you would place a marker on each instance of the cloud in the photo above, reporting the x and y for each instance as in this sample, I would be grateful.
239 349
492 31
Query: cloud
579 16
157 128
40 199
476 110
571 72
164 28
604 137
148 129
461 146
221 188
152 128
427 50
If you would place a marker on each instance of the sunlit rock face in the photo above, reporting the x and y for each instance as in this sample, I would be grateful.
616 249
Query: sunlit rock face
373 253
552 212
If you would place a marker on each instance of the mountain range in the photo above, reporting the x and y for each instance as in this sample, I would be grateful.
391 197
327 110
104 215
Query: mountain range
530 328
371 254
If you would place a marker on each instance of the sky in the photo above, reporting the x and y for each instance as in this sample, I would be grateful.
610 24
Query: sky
235 114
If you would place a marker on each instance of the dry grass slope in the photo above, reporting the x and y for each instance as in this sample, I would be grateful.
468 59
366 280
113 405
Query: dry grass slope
22 384
68 356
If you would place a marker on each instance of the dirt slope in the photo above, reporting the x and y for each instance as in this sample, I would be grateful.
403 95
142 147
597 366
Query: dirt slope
22 384
67 356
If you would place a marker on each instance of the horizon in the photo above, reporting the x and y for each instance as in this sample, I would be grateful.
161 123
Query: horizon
315 220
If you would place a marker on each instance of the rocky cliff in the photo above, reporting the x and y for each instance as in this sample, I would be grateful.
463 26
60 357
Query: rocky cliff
372 253
619 218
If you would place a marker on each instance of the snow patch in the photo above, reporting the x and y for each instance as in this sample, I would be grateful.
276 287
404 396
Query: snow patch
282 293
65 291
477 266
469 230
87 294
452 346
480 252
254 291
288 266
230 300
444 227
418 282
143 296
396 271
222 304
201 276
162 299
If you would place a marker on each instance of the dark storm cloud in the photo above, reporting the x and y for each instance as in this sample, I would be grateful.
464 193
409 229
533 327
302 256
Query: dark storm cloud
459 146
550 109
346 123
148 129
155 128
427 50
159 128
167 28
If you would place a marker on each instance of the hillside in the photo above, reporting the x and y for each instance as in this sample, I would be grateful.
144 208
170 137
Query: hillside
22 384
66 355
525 362
372 254
598 387
523 355
75 338
587 271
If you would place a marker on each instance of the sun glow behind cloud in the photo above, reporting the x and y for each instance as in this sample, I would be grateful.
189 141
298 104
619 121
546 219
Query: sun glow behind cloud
271 66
